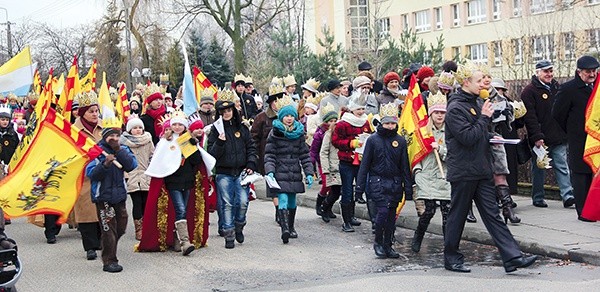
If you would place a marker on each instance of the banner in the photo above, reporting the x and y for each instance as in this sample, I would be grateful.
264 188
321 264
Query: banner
88 82
122 110
71 88
16 75
201 82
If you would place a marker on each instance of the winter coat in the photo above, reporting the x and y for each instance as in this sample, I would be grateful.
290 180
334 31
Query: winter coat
85 211
263 123
569 112
249 108
467 138
538 100
385 165
337 101
234 154
108 183
207 118
372 106
142 147
330 163
149 127
9 140
315 147
312 122
343 134
286 158
185 176
386 97
430 184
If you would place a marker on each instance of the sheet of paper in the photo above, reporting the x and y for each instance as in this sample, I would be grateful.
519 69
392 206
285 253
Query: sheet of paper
186 147
272 183
505 141
249 179
218 124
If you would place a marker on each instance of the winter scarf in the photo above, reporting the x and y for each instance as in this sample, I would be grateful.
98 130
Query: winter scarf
155 114
353 120
294 132
88 125
132 141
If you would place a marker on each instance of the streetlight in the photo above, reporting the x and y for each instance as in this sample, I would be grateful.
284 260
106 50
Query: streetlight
8 38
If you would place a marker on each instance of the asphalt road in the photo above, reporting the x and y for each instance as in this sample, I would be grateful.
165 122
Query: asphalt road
322 258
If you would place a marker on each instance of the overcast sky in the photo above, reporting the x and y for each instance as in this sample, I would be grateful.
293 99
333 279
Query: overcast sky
61 13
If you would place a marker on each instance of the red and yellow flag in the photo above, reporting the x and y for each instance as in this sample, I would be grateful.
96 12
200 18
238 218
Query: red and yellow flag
412 125
88 82
47 180
591 152
201 82
37 82
122 105
72 88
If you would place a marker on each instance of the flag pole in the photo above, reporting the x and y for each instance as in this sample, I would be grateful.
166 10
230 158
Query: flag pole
115 162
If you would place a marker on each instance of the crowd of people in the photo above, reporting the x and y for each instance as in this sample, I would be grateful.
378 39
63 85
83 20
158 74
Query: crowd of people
342 135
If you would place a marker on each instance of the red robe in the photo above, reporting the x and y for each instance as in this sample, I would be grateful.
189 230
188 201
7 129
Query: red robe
591 208
159 215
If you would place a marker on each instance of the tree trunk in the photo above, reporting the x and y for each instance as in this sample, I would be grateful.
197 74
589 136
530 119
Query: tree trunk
238 49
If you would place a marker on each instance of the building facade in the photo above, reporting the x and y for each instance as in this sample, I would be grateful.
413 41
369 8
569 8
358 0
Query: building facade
510 36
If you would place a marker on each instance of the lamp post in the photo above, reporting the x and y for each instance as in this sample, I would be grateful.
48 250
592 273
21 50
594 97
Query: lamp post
147 72
8 34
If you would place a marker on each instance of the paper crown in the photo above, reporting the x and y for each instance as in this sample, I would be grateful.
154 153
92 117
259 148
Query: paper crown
18 114
446 80
248 80
178 115
207 92
151 89
165 118
164 77
226 95
276 86
111 122
465 71
485 69
284 101
5 110
194 117
436 100
289 80
388 110
87 98
33 96
327 109
11 96
519 109
312 85
319 96
239 77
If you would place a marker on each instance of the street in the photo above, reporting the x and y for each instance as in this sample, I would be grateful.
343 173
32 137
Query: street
322 258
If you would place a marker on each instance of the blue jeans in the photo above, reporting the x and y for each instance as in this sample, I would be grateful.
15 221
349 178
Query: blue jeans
348 173
179 199
233 200
558 154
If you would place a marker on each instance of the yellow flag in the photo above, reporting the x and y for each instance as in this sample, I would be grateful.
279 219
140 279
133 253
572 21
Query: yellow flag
47 180
71 88
88 82
591 152
122 105
107 109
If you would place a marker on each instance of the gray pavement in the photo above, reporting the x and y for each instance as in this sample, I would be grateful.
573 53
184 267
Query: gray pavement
553 231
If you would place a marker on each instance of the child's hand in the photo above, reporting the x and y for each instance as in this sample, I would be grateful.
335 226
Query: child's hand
222 137
435 145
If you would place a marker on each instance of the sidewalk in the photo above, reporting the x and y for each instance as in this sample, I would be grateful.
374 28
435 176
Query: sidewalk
553 231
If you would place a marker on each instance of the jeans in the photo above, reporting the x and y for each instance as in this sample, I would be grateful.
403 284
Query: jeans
558 154
348 173
180 199
233 200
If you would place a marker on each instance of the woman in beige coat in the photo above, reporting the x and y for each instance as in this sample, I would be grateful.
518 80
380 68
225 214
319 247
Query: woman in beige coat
85 211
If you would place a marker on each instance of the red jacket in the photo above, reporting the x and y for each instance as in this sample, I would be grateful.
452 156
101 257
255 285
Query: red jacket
343 134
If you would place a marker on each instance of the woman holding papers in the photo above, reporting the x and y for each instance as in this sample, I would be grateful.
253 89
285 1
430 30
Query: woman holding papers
286 155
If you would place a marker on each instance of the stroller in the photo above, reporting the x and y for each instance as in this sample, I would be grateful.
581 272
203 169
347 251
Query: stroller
10 265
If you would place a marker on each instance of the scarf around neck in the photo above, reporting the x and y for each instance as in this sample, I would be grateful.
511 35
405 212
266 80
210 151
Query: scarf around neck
294 132
353 120
155 114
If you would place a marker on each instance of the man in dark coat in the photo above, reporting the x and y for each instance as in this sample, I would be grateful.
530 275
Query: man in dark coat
471 179
249 108
543 130
569 112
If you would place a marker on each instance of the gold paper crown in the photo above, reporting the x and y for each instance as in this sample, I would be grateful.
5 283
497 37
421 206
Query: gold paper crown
207 92
327 109
519 108
162 120
446 78
140 87
87 98
319 96
437 99
284 101
289 80
11 96
178 114
312 100
313 83
239 77
226 95
151 89
248 80
111 122
485 69
164 77
33 96
465 71
389 110
276 86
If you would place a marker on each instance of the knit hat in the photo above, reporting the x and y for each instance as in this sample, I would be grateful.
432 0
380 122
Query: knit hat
333 84
109 131
389 113
425 72
286 107
357 101
311 105
195 122
360 81
446 81
389 77
179 117
328 113
154 96
75 105
134 121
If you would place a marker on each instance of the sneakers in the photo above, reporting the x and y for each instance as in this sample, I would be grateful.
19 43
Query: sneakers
540 204
91 255
569 202
51 240
112 268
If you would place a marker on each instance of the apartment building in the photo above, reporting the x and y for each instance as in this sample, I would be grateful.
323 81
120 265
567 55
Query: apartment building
508 35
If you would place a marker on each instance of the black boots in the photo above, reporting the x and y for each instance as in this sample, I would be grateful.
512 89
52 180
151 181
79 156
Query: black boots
388 234
378 245
284 222
239 234
291 219
503 196
326 212
229 235
347 213
320 200
277 215
359 198
353 220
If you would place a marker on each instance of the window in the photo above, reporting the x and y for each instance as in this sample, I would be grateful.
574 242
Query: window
498 53
517 44
476 11
594 37
405 24
383 27
567 4
569 45
422 21
426 57
496 9
478 52
438 18
359 24
517 8
455 14
591 2
542 48
541 6
456 53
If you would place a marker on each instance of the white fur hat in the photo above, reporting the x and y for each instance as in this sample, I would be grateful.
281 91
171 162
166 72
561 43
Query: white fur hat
134 121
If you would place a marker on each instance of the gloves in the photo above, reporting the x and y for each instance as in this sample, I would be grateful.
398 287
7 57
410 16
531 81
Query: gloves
496 114
355 143
193 141
271 175
309 181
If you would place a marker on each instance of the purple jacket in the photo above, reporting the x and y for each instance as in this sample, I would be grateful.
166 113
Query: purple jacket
315 147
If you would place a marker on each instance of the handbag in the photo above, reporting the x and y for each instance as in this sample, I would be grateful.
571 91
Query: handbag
523 151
